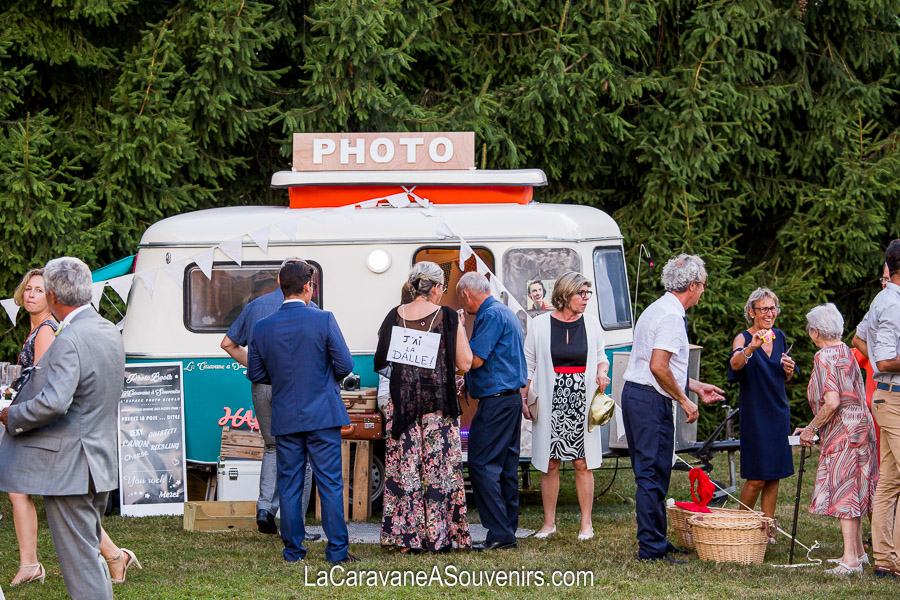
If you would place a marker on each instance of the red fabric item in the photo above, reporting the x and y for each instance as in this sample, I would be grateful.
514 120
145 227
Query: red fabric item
692 507
705 489
866 366
569 369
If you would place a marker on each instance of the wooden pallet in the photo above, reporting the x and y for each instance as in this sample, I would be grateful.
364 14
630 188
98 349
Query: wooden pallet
241 443
361 509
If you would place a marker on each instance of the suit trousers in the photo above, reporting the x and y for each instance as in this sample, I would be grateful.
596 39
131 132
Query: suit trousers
650 429
321 448
494 463
74 523
268 469
885 505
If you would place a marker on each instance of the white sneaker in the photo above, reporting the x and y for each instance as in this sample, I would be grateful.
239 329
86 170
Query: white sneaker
545 535
863 560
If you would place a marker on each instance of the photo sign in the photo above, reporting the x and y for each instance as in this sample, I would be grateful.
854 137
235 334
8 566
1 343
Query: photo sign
384 151
152 470
414 347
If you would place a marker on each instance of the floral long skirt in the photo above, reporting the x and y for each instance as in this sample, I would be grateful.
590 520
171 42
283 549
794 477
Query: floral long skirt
424 496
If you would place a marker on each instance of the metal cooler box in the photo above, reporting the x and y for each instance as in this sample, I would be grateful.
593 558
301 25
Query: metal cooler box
238 479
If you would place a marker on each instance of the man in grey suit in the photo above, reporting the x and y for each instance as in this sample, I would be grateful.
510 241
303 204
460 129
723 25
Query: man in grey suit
60 439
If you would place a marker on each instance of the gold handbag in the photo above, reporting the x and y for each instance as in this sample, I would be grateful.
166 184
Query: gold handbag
602 409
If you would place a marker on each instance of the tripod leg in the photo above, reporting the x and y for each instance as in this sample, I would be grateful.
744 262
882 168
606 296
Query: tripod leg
797 501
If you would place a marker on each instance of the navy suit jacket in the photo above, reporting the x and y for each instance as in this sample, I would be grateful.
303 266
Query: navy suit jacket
302 354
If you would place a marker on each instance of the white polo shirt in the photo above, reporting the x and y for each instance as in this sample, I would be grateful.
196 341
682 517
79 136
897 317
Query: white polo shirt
660 327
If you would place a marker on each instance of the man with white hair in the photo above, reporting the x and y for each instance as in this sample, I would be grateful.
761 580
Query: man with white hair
61 428
880 333
496 378
657 373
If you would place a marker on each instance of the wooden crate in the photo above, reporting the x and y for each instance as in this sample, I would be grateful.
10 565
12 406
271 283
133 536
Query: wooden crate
361 473
241 443
363 400
220 516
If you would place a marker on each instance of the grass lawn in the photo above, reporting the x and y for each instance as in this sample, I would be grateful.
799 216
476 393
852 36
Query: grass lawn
178 564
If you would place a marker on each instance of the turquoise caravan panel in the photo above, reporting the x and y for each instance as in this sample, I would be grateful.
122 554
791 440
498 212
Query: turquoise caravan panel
217 393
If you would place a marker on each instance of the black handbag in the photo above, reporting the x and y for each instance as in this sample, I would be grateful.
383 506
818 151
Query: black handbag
20 381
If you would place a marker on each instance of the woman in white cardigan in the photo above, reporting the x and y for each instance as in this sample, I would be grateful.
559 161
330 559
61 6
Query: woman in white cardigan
566 363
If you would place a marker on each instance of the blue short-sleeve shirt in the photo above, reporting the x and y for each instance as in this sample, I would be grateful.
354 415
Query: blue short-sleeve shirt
241 331
497 339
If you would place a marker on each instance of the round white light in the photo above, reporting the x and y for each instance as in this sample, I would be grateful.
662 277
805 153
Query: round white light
378 261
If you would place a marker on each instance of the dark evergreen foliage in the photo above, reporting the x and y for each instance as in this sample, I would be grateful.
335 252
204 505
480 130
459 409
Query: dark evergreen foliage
760 134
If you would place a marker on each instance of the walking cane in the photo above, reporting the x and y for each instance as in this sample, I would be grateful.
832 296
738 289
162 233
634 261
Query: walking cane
803 455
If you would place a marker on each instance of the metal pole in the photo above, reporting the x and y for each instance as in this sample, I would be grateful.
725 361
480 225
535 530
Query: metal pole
803 450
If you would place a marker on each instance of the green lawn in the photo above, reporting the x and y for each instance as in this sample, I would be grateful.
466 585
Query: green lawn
178 564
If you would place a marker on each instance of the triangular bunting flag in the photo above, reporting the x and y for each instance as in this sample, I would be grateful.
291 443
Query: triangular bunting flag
444 230
370 203
399 200
122 285
465 251
175 271
346 211
480 266
431 212
289 227
234 249
11 308
148 278
204 260
260 237
97 293
496 288
316 215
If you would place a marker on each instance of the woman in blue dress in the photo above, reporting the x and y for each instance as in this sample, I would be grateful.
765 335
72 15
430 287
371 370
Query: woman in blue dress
760 364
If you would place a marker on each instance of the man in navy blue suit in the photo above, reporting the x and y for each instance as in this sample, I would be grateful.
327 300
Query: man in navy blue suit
302 354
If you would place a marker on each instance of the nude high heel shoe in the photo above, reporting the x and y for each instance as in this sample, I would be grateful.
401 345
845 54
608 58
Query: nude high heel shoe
38 574
128 558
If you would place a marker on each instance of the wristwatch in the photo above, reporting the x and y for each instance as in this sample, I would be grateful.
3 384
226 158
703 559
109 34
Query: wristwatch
814 428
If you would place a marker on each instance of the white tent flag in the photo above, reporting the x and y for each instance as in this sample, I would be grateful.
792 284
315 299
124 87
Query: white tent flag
148 278
176 271
260 237
233 249
97 293
204 260
122 285
11 308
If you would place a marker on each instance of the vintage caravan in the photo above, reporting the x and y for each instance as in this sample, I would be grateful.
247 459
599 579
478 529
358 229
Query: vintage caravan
363 230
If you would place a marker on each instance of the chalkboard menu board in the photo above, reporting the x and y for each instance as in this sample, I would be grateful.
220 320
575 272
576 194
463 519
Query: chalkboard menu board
151 441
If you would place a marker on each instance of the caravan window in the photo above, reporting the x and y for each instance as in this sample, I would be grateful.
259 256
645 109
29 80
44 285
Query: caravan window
448 260
530 273
212 305
612 288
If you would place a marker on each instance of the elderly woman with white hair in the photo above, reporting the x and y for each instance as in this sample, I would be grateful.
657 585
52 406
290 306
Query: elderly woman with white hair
848 467
761 365
424 495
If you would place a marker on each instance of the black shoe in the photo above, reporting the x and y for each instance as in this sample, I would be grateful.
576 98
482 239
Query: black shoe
346 560
494 546
670 549
313 537
665 557
265 522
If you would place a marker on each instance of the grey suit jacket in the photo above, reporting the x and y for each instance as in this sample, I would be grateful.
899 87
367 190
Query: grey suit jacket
62 426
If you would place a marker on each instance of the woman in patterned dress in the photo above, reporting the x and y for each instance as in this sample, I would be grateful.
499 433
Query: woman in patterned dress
567 362
424 495
848 468
30 296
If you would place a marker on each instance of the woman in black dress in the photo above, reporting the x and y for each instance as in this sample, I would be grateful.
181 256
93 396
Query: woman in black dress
761 365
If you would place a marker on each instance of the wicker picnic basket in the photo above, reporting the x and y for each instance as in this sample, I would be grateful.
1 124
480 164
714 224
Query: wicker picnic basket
678 518
731 539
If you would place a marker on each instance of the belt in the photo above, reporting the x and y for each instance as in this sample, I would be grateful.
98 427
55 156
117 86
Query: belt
641 386
506 393
569 370
888 387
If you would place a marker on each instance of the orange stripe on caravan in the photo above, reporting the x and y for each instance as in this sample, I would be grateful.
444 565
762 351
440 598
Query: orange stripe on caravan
322 196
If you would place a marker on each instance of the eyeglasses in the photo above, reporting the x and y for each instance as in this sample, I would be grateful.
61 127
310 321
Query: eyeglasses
766 309
884 280
585 294
704 284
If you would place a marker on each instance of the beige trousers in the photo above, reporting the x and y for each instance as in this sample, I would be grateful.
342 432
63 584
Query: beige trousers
885 536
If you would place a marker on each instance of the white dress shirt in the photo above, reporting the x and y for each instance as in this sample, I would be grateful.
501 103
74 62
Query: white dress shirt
880 329
660 327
